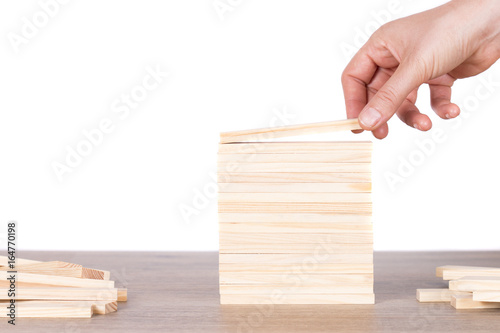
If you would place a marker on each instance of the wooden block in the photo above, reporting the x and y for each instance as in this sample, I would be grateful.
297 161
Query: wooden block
236 247
475 283
339 156
303 279
295 197
122 294
287 131
486 296
295 187
295 227
466 302
456 274
470 270
69 294
48 310
292 218
295 288
95 274
296 207
229 167
50 268
98 307
368 298
306 267
307 147
60 281
286 238
343 258
293 177
437 295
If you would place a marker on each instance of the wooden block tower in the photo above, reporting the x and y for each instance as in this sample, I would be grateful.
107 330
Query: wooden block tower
295 223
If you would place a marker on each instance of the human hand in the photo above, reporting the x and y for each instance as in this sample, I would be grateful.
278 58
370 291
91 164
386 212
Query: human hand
457 40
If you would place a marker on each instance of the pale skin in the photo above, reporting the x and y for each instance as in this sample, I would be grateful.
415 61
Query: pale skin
456 40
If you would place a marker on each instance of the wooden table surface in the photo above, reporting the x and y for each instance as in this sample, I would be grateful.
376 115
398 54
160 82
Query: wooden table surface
178 292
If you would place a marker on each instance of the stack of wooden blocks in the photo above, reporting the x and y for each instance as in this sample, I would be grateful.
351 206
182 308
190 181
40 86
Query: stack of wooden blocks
56 289
469 287
295 223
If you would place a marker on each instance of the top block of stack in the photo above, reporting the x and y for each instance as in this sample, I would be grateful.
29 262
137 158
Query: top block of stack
295 222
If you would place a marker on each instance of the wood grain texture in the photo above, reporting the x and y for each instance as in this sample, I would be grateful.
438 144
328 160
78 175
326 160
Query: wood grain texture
294 288
177 289
294 177
68 294
292 218
303 147
474 283
61 281
293 238
339 156
438 295
287 131
466 302
486 296
58 268
295 197
237 247
304 279
353 208
302 268
294 187
467 270
296 227
228 167
321 257
299 299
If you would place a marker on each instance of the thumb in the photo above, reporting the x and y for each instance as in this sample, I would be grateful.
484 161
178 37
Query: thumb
389 98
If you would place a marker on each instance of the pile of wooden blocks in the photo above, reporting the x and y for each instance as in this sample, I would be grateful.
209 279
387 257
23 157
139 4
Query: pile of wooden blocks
469 287
295 222
57 289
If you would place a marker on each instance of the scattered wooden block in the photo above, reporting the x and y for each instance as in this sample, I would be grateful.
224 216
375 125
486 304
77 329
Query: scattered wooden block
62 294
437 295
464 302
60 281
471 283
486 296
467 270
50 268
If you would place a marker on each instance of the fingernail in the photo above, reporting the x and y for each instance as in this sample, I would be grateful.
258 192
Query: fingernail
416 126
370 117
448 115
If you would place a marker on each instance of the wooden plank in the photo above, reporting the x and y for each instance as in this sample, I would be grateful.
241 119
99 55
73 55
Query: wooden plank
438 295
466 302
294 147
306 267
98 307
48 310
294 288
295 197
237 247
69 294
302 279
320 257
60 281
95 274
292 218
294 177
475 283
285 238
296 207
299 227
339 156
471 270
227 167
368 298
287 131
295 187
486 296
50 268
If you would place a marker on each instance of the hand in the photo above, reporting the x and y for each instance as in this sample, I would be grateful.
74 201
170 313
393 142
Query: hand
457 40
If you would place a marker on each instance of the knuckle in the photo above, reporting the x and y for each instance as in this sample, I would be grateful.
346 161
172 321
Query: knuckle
388 96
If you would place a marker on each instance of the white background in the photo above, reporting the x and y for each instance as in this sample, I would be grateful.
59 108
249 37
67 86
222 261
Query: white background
226 72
